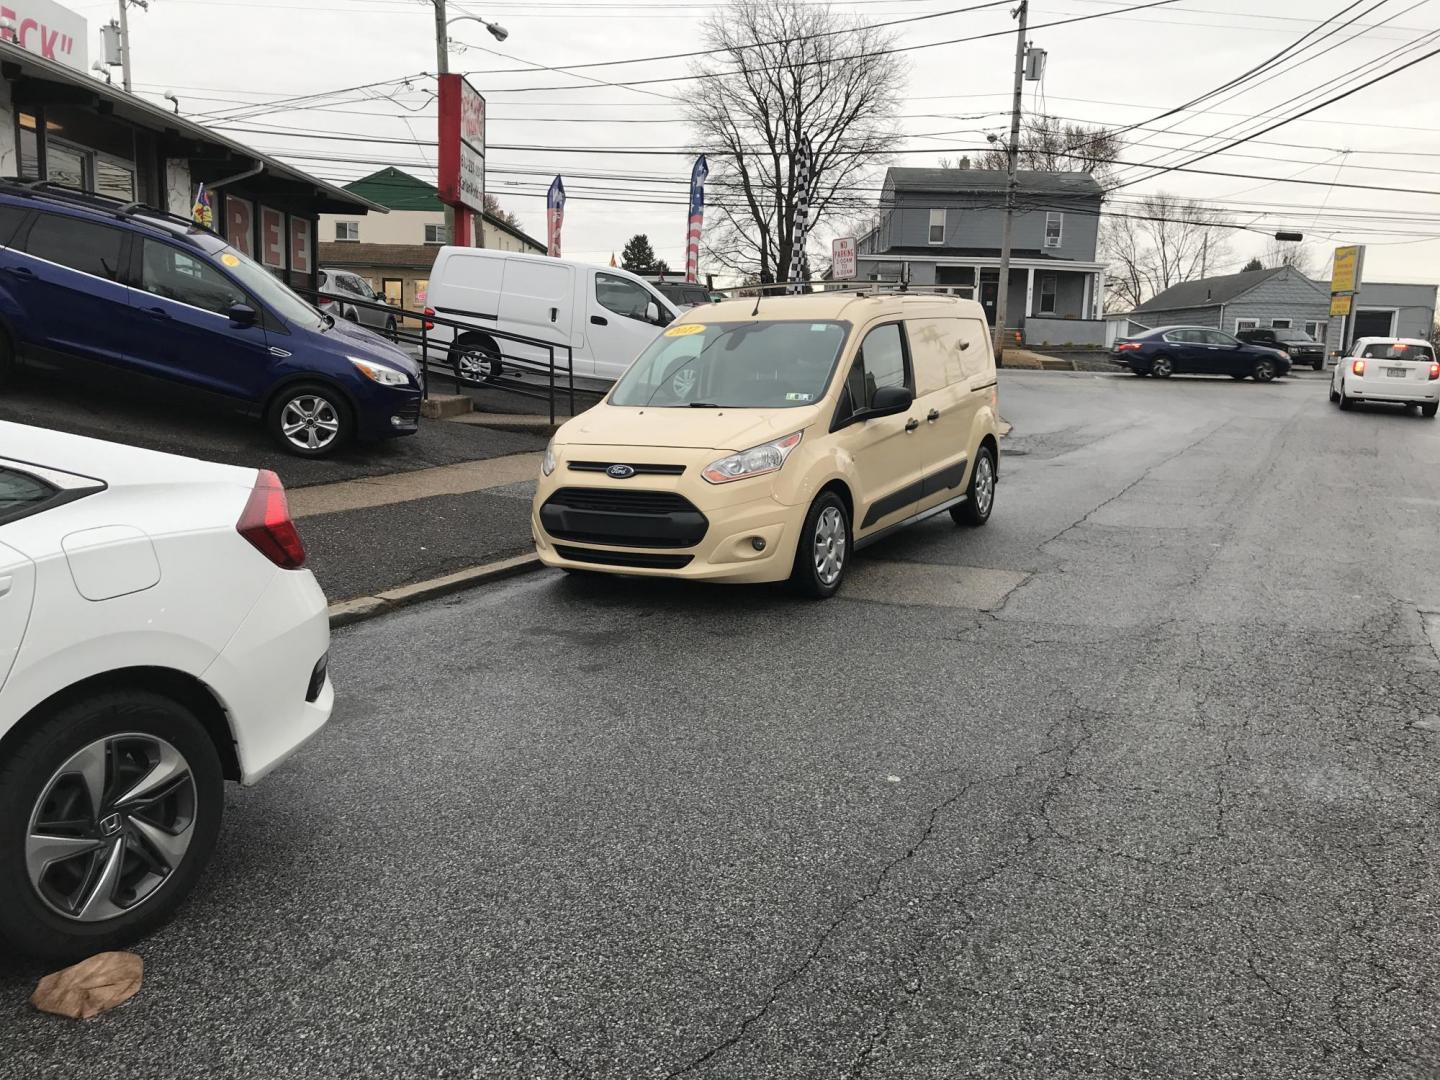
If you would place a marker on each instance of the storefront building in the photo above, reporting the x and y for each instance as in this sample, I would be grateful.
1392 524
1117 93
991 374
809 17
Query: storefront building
67 127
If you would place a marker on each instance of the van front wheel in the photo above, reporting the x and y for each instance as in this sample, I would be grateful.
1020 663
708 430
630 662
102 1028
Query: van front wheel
823 551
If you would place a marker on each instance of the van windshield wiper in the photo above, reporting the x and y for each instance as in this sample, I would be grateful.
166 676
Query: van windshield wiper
705 405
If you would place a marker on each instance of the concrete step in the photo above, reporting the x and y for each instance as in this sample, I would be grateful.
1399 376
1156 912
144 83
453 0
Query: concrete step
522 422
445 406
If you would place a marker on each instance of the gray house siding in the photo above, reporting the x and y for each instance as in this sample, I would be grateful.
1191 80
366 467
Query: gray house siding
972 221
1201 316
1414 307
1287 296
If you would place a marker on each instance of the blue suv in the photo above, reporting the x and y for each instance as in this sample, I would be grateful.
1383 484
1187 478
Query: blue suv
92 284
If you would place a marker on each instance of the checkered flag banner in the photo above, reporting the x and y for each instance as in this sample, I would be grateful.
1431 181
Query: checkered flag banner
799 262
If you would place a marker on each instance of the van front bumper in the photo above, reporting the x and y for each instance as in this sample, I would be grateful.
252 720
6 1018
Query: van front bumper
752 541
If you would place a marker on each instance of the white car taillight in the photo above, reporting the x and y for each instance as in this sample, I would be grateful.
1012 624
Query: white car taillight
266 524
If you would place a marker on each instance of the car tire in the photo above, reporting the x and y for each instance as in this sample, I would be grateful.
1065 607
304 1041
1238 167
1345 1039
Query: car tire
1162 367
1139 371
310 419
476 360
1346 401
980 495
823 551
1318 365
66 906
1334 396
1238 377
1429 411
1264 371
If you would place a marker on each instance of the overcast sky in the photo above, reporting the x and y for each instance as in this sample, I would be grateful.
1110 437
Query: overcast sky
241 58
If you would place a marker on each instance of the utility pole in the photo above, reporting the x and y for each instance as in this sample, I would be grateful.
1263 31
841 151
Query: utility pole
125 39
1002 295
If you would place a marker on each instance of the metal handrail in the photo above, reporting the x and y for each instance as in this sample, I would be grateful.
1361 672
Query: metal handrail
470 322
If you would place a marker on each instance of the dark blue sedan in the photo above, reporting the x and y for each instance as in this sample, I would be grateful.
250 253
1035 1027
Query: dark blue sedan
1196 350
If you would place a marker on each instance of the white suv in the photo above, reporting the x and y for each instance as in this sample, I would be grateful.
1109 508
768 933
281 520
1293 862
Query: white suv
158 636
1398 371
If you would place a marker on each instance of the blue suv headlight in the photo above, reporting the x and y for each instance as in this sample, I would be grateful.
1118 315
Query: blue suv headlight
380 373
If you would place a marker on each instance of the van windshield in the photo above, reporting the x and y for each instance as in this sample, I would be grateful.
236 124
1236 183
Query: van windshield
744 365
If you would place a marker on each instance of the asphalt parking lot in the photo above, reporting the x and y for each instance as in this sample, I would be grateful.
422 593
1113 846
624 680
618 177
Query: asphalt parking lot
1139 780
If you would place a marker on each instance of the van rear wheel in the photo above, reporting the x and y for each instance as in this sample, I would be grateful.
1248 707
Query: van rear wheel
476 360
980 495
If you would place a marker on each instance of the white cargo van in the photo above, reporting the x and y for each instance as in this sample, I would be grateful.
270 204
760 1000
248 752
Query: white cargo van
606 316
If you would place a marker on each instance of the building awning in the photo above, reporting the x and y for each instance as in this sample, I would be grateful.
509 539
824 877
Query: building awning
35 80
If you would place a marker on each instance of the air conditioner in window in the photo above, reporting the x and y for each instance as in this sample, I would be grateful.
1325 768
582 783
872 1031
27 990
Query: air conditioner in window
1052 241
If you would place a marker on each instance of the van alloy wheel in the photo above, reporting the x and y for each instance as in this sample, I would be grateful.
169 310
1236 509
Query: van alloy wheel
984 485
110 827
829 545
309 421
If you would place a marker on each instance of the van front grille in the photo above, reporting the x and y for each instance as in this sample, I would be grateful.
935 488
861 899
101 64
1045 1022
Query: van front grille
623 517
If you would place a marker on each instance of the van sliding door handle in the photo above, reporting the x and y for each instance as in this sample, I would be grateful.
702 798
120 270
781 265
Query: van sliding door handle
599 320
912 424
934 415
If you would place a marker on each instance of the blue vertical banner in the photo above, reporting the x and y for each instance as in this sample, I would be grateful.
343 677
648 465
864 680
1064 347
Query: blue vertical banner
697 218
554 215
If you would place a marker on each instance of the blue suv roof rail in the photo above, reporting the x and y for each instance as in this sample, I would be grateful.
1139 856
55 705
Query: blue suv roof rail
89 200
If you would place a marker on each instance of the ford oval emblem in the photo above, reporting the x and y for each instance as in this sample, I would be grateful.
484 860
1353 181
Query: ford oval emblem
620 472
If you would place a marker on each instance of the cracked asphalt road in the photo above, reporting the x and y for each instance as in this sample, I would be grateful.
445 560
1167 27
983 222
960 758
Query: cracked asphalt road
1163 811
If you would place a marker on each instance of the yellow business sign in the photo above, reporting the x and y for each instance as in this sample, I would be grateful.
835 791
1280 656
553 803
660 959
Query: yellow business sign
1345 278
1340 305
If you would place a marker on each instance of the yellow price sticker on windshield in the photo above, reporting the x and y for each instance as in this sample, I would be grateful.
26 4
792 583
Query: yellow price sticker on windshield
686 330
229 260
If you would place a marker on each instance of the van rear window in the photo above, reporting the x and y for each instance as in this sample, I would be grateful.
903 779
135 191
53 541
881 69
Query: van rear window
1382 350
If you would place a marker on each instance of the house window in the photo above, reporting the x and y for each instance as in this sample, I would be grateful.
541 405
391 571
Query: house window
1280 324
937 226
1316 330
1047 294
1054 229
1241 325
436 234
347 230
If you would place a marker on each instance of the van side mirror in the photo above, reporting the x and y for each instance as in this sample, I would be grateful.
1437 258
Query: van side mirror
658 315
242 315
888 401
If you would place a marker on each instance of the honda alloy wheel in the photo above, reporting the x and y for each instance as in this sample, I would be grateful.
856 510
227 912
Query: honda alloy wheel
110 827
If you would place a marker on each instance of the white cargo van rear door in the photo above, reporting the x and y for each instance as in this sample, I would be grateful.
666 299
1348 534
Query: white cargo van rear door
538 301
465 286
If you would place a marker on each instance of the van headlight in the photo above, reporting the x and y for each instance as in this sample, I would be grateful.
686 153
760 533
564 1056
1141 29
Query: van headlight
758 460
380 373
547 463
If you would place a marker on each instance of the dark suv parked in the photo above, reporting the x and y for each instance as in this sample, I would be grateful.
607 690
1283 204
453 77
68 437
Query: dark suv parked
1296 344
106 289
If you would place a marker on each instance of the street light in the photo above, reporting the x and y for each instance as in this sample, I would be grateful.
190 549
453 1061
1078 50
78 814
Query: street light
498 32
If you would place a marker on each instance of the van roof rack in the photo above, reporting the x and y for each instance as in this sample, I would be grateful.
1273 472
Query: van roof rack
93 200
860 288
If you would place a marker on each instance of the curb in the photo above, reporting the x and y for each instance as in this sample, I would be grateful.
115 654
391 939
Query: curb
360 608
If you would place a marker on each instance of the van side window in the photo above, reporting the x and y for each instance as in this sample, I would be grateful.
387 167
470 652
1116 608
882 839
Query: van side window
880 362
622 296
91 249
975 349
171 273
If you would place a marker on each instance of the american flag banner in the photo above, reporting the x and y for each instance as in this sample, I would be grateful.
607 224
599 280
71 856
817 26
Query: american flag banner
554 215
697 218
799 264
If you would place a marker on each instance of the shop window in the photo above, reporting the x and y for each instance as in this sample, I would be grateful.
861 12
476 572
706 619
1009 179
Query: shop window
113 179
1048 286
437 234
65 165
29 147
347 231
91 249
174 275
1280 324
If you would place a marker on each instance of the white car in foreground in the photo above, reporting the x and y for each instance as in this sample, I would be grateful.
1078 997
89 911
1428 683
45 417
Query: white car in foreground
1397 371
158 636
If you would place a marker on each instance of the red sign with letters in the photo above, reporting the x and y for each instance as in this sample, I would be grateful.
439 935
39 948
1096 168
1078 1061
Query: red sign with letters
240 224
462 144
272 238
299 245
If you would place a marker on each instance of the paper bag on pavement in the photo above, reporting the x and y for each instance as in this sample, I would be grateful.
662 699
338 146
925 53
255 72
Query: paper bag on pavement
90 987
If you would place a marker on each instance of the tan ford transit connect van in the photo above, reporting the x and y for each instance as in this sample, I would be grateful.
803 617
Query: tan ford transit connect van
763 441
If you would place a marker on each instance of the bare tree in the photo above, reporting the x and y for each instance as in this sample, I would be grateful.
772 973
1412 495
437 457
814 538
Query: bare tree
1300 257
1048 144
492 207
1157 243
787 71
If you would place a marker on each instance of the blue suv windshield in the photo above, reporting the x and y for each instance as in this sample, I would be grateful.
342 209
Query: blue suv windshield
266 287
